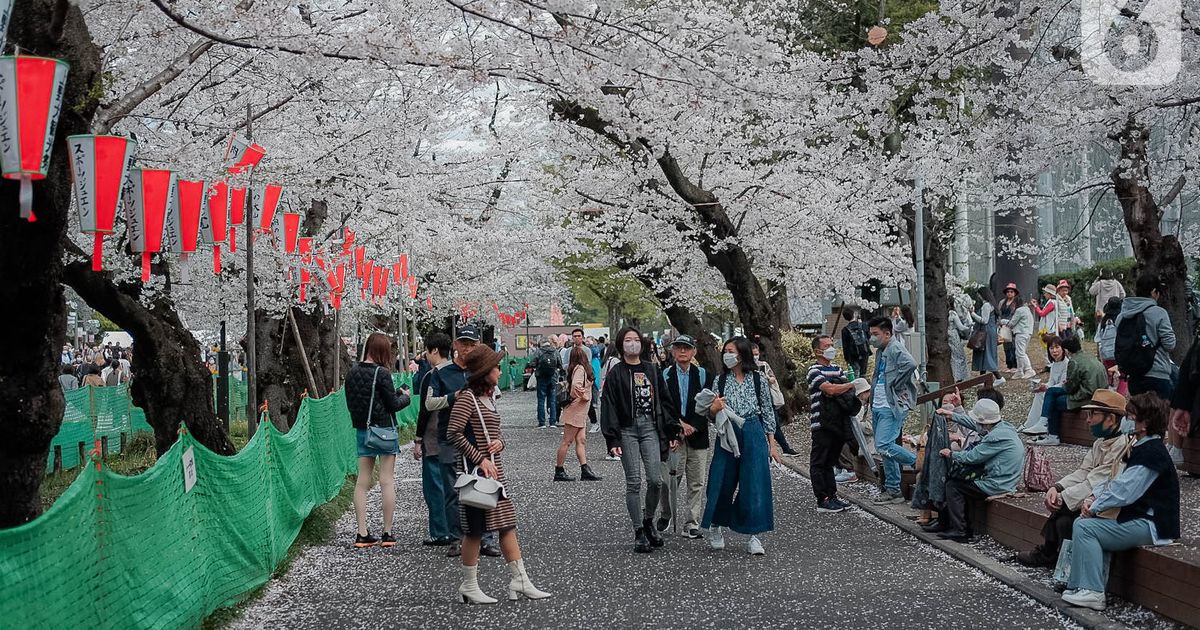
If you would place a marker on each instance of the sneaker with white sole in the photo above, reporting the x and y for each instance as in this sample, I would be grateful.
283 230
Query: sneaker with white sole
716 539
611 458
595 429
1085 599
755 547
998 382
830 505
846 476
1176 454
888 497
1037 427
1046 440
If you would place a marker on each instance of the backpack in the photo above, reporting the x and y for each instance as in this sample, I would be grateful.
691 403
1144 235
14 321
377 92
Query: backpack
859 334
1037 475
1132 349
547 361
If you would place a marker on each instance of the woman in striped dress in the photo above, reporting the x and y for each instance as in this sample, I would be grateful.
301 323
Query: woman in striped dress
474 431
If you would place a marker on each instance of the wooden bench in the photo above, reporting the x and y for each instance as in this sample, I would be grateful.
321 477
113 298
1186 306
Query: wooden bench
1163 579
1074 429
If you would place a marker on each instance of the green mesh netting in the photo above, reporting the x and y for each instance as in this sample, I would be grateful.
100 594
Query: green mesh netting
237 398
139 552
92 413
510 373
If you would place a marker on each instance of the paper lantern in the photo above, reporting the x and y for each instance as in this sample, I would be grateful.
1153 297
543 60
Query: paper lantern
396 276
359 253
266 201
348 242
403 273
291 231
183 217
31 93
151 192
213 221
237 214
99 166
242 154
412 287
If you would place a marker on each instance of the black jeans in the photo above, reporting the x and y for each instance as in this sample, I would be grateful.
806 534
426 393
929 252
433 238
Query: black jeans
1010 355
957 493
1057 529
826 450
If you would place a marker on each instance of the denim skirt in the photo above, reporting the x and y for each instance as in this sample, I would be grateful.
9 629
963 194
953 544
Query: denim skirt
739 488
366 451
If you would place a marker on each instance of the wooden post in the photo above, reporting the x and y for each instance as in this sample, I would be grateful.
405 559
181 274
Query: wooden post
103 447
57 458
124 441
82 454
312 383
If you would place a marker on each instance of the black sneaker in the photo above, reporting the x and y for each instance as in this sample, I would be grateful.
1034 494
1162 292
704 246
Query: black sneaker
641 544
491 551
693 533
455 550
830 505
386 540
437 542
662 523
362 542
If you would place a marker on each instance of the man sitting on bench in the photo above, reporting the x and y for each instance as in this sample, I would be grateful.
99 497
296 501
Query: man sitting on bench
1104 414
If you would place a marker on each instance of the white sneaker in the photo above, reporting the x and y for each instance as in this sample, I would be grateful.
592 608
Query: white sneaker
1028 374
716 539
1037 428
846 476
755 547
611 458
1176 454
1085 599
1046 440
595 428
998 382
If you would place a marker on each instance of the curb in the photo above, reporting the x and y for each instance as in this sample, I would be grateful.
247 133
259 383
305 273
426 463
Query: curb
1085 617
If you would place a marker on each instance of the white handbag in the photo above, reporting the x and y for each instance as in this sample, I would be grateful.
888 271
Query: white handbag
474 489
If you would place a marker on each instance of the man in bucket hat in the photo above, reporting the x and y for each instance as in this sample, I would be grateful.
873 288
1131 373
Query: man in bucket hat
1104 414
991 467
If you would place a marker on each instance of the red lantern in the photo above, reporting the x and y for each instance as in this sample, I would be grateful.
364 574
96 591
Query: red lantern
183 218
99 166
403 273
237 214
291 231
31 93
266 201
212 222
347 242
359 253
241 154
152 191
412 287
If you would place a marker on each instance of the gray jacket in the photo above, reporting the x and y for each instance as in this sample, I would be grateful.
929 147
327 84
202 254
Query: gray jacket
1158 329
898 378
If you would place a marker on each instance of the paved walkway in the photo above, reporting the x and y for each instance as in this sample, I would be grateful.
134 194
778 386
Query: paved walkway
846 570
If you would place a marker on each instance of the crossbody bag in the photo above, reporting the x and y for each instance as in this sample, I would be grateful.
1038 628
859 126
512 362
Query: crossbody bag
380 438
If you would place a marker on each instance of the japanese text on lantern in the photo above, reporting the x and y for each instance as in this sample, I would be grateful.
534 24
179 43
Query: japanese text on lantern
79 164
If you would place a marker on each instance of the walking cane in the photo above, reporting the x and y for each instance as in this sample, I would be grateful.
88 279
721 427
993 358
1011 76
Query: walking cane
673 489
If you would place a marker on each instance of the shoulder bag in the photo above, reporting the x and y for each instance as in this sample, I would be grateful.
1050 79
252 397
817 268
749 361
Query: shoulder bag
978 338
474 489
380 438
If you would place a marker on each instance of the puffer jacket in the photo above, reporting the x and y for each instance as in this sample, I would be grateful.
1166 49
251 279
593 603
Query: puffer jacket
360 382
1103 462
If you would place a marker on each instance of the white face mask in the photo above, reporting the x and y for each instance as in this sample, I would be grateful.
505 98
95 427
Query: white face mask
633 347
830 353
730 359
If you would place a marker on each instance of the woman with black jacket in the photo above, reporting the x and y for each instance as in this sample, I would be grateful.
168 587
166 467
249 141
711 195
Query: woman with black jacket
373 402
638 431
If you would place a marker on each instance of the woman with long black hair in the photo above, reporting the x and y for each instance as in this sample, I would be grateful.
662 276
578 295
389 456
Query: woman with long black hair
742 392
575 416
638 431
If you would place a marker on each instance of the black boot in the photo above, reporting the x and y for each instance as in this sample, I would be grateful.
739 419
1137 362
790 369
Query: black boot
655 539
560 474
641 544
586 474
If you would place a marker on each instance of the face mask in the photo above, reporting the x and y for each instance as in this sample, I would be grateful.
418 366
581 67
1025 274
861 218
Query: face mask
730 359
1127 425
1099 432
830 353
633 347
875 341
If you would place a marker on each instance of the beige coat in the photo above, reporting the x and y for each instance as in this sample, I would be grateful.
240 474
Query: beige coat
1103 462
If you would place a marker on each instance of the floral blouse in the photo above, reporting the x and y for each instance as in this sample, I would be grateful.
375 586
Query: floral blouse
740 398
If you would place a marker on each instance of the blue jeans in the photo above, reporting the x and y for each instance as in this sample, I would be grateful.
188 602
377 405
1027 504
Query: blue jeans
887 430
435 496
450 499
547 398
1092 538
1054 403
752 509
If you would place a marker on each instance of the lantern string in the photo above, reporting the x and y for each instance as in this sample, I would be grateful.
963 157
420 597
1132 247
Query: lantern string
145 266
217 259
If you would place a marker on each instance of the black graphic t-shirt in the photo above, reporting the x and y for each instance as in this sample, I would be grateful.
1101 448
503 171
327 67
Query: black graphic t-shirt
643 395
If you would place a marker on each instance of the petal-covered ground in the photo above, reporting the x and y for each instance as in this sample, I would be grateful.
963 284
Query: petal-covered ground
846 570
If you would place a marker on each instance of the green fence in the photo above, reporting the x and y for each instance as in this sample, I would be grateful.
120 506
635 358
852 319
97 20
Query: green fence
144 552
237 398
90 414
509 373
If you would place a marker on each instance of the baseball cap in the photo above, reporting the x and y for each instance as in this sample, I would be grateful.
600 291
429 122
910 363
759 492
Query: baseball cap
684 340
469 333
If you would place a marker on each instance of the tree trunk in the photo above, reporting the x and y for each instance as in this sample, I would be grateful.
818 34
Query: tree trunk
1156 253
937 298
280 366
170 381
31 400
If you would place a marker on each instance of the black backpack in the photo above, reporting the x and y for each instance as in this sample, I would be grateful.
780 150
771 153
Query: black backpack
858 332
547 361
1133 350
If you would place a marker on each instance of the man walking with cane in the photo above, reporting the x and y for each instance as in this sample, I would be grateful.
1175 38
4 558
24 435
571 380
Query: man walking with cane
681 381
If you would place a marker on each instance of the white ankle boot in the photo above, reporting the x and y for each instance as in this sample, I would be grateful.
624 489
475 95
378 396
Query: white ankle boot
520 584
468 591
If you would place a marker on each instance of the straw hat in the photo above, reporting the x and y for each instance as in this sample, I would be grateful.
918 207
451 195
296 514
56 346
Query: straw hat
1107 400
1048 289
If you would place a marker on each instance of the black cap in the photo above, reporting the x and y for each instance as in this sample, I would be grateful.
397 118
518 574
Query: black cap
469 333
684 340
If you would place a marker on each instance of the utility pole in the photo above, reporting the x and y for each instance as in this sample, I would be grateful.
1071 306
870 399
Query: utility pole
223 381
251 342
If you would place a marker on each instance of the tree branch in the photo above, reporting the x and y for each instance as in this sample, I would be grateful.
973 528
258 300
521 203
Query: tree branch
110 114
